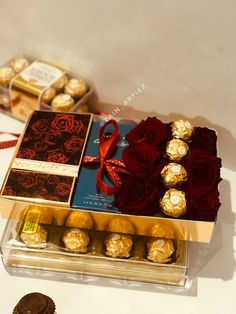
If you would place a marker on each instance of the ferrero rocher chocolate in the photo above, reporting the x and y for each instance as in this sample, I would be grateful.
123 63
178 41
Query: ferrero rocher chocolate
120 225
76 87
173 175
182 129
162 230
176 149
36 237
62 103
118 245
79 220
76 240
173 203
160 250
59 84
48 95
6 74
5 101
19 64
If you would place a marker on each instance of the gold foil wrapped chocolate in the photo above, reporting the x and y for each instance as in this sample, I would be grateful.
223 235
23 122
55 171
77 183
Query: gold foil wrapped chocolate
120 225
173 203
173 174
118 245
162 230
59 84
6 74
160 250
76 87
19 64
36 237
62 103
182 129
80 220
5 101
48 95
76 240
176 149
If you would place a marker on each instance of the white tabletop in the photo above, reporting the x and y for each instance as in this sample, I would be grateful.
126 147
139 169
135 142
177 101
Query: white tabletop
212 271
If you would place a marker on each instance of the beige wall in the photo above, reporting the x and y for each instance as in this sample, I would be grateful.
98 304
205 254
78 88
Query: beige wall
183 51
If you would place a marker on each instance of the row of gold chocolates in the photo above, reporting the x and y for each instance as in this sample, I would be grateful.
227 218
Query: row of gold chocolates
77 236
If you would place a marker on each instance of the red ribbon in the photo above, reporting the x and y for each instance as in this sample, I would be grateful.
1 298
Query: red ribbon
107 147
10 143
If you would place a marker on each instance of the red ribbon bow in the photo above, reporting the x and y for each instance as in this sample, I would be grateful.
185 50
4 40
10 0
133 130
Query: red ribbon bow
10 143
107 147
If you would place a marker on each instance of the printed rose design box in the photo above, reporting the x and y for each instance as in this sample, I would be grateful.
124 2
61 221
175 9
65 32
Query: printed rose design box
47 159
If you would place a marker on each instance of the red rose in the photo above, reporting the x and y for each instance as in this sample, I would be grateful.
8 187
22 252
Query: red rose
74 144
140 158
27 180
40 146
53 180
151 131
51 138
8 191
40 125
205 139
63 189
202 203
26 153
137 197
57 157
202 168
66 123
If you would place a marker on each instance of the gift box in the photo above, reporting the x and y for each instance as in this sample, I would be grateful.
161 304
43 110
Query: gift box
47 158
27 84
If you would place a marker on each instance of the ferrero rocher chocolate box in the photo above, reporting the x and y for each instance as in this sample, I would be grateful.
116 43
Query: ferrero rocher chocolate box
27 85
47 158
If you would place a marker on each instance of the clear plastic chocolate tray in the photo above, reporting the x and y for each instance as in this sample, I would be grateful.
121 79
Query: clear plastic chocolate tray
53 256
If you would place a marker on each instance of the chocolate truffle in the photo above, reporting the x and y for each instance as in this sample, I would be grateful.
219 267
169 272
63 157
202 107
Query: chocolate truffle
35 303
80 220
60 83
160 250
120 225
48 95
176 149
173 174
76 240
173 203
6 74
62 103
75 87
182 129
118 245
37 238
19 64
162 230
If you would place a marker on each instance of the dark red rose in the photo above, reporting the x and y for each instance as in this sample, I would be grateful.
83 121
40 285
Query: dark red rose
57 157
151 131
140 158
74 144
26 153
202 168
53 180
8 191
202 203
27 180
66 123
137 197
205 139
40 146
51 138
63 188
40 125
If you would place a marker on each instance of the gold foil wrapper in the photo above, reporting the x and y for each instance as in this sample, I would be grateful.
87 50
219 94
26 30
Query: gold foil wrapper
6 74
76 87
48 95
5 101
59 84
80 220
35 239
182 129
76 240
176 149
19 64
173 203
160 250
162 230
121 225
62 103
173 175
118 245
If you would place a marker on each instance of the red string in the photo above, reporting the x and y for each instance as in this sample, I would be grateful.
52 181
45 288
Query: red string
9 143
